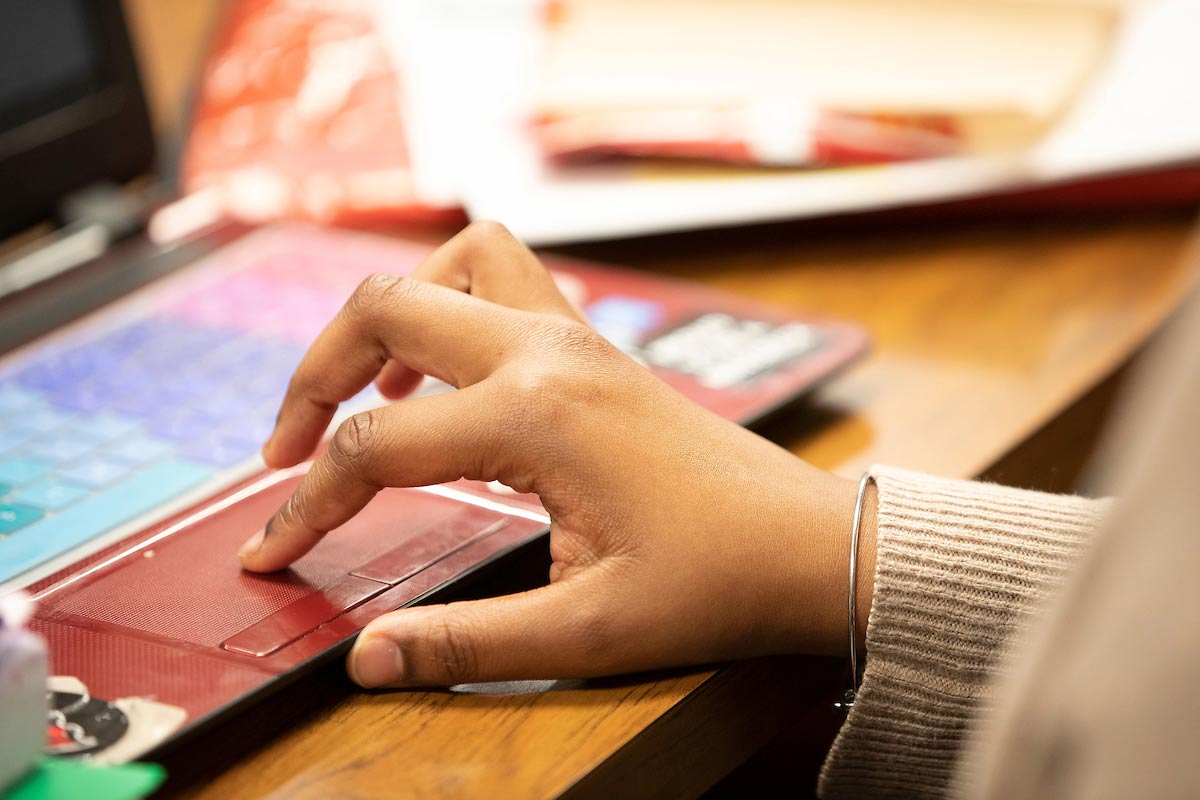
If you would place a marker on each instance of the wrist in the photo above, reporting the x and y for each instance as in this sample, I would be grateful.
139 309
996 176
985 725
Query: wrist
812 582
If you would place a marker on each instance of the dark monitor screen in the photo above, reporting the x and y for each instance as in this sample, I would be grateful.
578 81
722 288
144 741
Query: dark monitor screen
48 59
72 110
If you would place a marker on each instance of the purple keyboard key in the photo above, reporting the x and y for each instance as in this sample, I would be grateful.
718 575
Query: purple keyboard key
182 425
218 451
86 398
138 450
106 426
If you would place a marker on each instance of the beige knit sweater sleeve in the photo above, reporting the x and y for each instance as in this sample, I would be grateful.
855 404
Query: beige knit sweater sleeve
960 566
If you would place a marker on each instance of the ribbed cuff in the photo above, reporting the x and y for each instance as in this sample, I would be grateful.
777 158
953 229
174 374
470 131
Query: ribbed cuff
959 566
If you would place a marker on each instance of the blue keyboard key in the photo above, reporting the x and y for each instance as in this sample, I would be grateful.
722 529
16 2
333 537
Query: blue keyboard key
14 517
60 447
44 420
50 495
138 450
127 500
632 314
23 470
95 471
14 437
14 398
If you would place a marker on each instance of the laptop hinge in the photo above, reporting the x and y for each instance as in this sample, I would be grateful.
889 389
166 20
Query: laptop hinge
93 218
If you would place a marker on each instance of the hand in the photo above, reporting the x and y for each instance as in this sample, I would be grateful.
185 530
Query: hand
677 537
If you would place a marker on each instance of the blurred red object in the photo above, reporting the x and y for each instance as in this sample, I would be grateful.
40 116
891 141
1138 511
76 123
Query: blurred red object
777 136
298 117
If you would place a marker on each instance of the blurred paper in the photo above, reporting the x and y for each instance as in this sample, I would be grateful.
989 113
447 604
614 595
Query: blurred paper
473 85
967 56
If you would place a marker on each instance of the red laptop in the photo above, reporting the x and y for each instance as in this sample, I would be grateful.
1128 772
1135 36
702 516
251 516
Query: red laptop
138 381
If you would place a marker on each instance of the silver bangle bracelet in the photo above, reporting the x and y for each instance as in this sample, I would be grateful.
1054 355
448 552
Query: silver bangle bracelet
847 701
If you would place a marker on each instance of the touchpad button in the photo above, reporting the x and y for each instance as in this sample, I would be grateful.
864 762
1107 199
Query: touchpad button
306 614
435 543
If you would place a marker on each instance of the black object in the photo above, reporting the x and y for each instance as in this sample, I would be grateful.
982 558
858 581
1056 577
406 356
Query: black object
72 109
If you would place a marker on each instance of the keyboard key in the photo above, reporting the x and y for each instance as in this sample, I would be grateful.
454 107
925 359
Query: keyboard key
252 429
60 447
44 420
139 398
50 495
182 425
107 426
13 438
632 314
95 472
14 398
79 399
143 492
219 451
14 517
138 450
18 471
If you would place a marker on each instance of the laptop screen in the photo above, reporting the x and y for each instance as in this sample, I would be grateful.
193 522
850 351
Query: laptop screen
72 112
48 59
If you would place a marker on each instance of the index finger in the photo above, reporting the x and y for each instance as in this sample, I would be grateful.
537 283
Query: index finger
432 329
422 441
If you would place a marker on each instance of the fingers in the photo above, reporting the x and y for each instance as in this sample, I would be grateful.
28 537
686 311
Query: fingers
428 329
396 381
487 261
423 441
560 630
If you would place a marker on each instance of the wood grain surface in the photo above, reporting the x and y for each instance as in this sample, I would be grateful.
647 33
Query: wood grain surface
984 332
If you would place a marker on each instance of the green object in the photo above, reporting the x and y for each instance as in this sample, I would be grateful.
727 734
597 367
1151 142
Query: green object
63 778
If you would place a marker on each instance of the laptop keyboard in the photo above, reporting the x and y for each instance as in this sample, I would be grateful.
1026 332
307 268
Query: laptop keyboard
120 424
99 434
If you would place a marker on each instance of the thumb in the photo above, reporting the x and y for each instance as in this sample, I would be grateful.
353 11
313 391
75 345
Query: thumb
556 631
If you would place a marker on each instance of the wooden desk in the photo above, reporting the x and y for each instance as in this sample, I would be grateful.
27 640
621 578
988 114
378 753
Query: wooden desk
984 333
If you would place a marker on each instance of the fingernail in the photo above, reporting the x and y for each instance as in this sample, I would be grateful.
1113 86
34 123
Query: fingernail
252 545
375 661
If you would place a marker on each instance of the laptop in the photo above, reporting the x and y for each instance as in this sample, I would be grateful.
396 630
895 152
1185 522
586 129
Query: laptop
139 377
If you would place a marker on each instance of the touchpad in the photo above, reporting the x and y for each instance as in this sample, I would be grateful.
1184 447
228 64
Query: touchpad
190 587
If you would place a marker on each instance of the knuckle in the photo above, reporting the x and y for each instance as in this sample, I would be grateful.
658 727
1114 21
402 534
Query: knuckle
567 376
453 649
486 232
575 340
315 389
291 514
378 291
354 439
